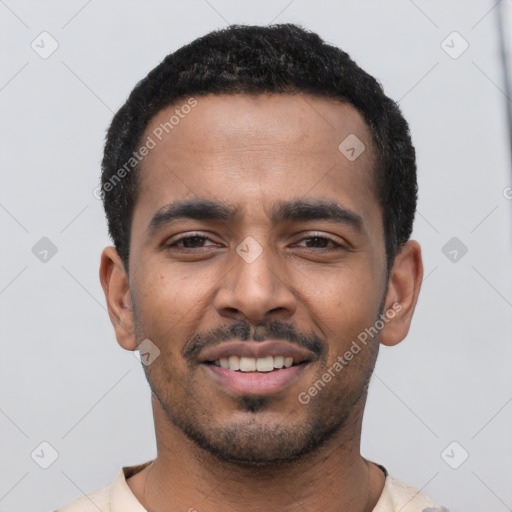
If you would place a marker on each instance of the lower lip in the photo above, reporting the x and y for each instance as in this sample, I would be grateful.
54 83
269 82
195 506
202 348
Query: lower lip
261 383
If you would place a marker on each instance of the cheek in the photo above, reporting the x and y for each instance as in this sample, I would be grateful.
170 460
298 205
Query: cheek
171 304
344 305
347 295
170 294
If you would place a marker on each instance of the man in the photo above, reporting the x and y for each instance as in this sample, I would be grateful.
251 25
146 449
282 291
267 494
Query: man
260 191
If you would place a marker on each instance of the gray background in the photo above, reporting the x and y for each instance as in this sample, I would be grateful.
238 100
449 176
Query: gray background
64 379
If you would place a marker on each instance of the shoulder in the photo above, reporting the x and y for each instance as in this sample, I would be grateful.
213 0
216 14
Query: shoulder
115 497
96 501
407 498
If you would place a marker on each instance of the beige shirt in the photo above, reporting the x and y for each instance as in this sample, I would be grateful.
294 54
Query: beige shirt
118 497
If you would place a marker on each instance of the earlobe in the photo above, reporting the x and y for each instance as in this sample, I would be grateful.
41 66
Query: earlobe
402 294
115 284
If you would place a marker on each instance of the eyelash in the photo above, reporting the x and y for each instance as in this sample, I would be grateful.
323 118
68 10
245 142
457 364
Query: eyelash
336 245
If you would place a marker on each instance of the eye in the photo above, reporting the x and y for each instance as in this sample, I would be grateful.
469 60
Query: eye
191 241
321 242
198 240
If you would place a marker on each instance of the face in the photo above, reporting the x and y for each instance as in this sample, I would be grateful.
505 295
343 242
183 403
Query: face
256 244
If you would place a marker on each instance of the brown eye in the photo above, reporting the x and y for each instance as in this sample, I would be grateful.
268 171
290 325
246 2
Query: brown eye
192 241
320 242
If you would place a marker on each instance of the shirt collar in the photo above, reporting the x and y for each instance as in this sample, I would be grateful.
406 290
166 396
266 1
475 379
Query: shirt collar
121 496
123 499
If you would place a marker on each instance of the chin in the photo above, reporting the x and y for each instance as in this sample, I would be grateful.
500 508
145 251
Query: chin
259 443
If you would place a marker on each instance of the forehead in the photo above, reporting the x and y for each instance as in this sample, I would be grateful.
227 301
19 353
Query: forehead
300 123
248 150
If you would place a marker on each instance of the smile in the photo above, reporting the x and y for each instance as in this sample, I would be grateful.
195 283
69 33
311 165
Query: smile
252 364
255 368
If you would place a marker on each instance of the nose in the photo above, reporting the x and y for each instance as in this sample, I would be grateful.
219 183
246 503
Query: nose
255 289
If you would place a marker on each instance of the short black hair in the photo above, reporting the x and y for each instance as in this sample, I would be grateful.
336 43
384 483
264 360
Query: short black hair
282 58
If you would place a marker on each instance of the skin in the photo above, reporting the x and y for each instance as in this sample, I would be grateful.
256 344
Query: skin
219 450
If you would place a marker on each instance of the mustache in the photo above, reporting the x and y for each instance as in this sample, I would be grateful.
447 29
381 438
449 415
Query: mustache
273 329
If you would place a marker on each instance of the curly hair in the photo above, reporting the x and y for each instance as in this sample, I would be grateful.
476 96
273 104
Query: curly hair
282 58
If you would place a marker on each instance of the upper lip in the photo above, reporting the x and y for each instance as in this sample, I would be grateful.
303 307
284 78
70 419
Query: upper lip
256 349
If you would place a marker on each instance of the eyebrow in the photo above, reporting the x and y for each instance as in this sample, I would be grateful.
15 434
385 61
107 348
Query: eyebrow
314 209
196 209
298 210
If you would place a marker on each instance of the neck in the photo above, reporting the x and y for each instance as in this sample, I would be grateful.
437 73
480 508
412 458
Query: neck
184 477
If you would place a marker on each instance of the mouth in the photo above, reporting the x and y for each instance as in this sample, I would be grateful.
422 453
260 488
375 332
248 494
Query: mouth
252 364
256 369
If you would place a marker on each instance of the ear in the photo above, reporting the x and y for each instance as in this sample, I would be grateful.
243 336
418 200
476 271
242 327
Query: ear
402 294
114 282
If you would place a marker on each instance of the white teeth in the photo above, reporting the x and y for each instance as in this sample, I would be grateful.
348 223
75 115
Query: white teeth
265 364
234 363
247 364
251 364
278 361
